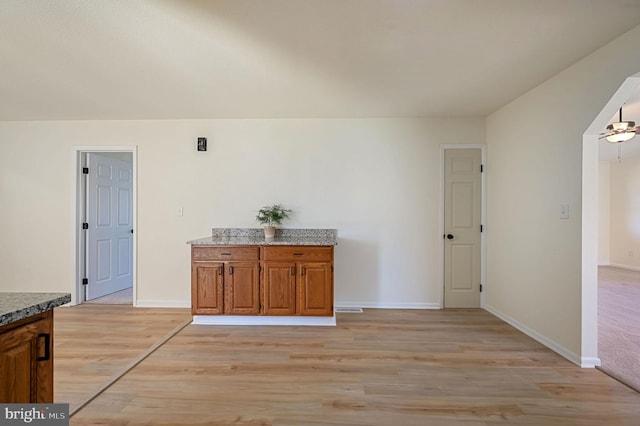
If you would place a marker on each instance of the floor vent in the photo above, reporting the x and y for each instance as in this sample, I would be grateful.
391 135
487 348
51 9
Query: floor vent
349 310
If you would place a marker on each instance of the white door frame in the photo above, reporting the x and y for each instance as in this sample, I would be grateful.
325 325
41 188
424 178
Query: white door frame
78 197
483 217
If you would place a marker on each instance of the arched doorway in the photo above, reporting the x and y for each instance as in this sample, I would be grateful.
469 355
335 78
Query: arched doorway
590 166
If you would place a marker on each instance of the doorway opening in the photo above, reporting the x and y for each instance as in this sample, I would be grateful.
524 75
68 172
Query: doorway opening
463 207
590 223
105 215
618 286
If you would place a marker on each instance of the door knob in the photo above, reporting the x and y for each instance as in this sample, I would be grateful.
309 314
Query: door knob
450 236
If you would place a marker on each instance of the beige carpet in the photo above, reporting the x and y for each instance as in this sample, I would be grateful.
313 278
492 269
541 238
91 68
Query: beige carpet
619 324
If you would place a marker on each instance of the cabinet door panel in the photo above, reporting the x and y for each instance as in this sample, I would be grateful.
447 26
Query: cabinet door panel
207 288
315 290
279 288
242 288
16 367
25 378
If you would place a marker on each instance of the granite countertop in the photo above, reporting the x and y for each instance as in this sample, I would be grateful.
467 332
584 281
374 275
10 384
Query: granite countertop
255 236
17 306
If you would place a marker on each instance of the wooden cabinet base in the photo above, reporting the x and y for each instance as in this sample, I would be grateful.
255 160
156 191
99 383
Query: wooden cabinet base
290 282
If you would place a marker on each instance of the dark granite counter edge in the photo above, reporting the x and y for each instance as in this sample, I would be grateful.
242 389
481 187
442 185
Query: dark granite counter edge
34 309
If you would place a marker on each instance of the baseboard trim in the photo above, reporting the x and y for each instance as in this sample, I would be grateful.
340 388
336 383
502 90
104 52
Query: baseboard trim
378 305
554 346
590 362
628 267
262 320
151 303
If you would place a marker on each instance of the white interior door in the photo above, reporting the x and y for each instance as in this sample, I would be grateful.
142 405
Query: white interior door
109 258
462 239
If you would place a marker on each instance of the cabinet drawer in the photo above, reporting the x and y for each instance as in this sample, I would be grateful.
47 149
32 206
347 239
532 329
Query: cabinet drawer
206 253
324 254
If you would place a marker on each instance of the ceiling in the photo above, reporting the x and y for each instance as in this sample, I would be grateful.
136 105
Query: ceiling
174 59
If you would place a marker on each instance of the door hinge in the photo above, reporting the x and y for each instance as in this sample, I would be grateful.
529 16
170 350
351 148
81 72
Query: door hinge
85 170
85 281
481 228
85 225
480 288
481 168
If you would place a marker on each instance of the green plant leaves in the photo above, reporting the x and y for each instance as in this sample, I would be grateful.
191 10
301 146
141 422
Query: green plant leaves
272 215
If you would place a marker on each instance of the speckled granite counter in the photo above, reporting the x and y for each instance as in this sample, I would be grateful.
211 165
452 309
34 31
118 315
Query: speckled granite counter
284 237
16 306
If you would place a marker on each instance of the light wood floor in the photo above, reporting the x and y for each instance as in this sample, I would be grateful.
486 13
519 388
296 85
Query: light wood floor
381 367
94 343
122 297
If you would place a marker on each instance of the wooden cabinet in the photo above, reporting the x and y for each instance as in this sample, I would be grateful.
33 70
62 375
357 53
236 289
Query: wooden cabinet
242 288
315 289
207 288
279 288
268 280
299 279
26 360
225 280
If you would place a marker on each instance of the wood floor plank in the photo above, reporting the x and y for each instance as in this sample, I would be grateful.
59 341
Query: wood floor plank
92 343
381 367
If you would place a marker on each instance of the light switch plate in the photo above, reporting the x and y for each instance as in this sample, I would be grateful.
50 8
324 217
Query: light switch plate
564 211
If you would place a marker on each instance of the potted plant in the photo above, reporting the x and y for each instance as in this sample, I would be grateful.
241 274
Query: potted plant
270 216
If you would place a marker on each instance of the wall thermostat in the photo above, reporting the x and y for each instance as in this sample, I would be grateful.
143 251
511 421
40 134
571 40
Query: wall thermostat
202 144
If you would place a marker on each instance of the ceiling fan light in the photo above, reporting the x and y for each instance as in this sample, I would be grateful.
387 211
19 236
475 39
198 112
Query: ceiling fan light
621 126
620 137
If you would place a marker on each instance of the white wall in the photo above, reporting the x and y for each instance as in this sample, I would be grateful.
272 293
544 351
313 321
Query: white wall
604 207
376 180
625 213
534 270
